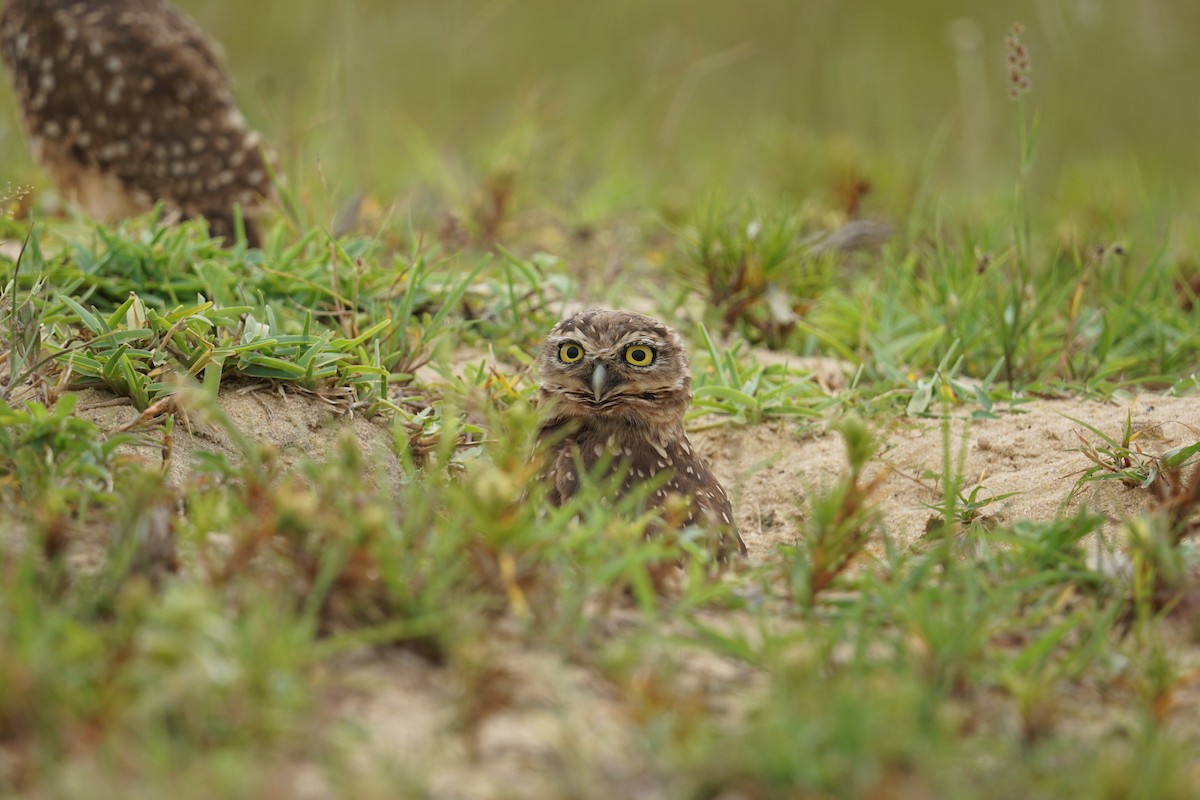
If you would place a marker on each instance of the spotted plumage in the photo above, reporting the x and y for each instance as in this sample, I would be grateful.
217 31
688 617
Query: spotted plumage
125 104
615 388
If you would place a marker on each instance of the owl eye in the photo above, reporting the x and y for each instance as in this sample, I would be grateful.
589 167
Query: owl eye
570 352
640 355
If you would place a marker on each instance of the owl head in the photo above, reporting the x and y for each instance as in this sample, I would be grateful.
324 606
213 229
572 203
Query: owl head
616 365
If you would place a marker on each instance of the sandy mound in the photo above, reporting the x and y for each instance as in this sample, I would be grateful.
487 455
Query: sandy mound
1033 451
298 425
773 468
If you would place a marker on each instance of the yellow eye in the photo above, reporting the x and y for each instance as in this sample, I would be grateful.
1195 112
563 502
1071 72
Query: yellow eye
570 352
639 355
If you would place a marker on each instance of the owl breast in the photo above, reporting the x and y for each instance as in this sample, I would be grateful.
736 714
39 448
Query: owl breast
678 477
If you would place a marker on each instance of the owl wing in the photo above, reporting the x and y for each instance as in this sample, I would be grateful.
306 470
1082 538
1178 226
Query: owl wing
710 506
712 509
136 90
563 478
556 448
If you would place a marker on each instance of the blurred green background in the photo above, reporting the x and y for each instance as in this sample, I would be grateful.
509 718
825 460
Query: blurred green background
590 108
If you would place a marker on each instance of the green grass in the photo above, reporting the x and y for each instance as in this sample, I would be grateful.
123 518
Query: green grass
183 622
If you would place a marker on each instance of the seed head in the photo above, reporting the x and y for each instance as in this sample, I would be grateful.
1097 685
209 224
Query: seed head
10 197
1019 66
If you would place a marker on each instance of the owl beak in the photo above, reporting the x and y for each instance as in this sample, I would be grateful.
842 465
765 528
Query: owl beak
599 380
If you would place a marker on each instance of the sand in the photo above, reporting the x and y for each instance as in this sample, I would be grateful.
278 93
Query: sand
1033 453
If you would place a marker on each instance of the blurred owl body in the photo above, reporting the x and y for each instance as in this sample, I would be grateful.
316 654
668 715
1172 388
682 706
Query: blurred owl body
125 103
616 386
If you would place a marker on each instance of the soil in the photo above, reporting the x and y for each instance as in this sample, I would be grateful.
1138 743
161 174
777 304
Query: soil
297 425
1034 453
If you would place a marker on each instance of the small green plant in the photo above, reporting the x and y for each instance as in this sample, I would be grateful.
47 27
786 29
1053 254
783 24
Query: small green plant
1122 459
52 462
945 386
970 506
422 306
839 522
745 392
753 271
1053 550
1165 568
1115 459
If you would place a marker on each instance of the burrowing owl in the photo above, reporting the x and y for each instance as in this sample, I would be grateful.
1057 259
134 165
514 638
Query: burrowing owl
615 386
125 103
